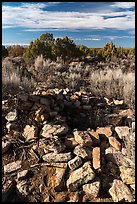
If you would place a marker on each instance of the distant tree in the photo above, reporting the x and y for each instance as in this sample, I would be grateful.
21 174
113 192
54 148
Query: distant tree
15 50
4 51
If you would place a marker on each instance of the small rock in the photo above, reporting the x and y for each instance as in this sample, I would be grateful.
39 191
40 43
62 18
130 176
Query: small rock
83 152
11 116
104 130
96 158
92 189
30 132
80 176
13 166
118 102
83 138
61 157
75 163
73 197
122 131
48 130
119 191
115 143
5 146
127 175
22 174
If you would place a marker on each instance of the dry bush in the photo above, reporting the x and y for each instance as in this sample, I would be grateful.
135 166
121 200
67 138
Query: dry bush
114 84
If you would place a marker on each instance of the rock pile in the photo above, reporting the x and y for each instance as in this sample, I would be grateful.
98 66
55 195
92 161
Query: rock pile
60 146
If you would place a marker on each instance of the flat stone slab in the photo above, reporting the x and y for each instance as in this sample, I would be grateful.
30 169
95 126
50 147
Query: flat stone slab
83 138
49 130
119 191
104 130
11 167
115 143
96 158
83 152
61 157
80 176
122 131
92 189
30 132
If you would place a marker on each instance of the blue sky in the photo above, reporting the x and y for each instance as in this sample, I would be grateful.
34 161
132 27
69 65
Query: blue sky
87 23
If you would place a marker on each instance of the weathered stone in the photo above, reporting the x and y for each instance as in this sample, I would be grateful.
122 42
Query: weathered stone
11 167
30 132
73 197
11 116
122 131
54 144
133 126
83 152
104 130
120 192
70 142
127 175
22 188
5 146
55 176
115 143
61 157
95 137
92 189
118 102
75 163
48 130
80 176
96 158
83 138
22 174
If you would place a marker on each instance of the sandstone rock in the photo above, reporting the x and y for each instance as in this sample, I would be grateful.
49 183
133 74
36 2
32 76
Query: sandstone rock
120 192
118 102
54 144
11 116
11 167
92 189
5 146
70 142
75 163
55 176
61 157
115 143
83 138
95 137
83 152
73 197
22 174
127 175
30 132
80 176
48 130
96 158
122 131
104 130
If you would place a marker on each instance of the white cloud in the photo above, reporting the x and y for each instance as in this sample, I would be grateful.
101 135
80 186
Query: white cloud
96 39
32 16
11 44
125 5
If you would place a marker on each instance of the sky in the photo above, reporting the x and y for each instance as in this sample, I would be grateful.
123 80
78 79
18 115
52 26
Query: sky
87 23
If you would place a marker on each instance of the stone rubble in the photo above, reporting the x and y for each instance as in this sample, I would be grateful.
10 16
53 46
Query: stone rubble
72 154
